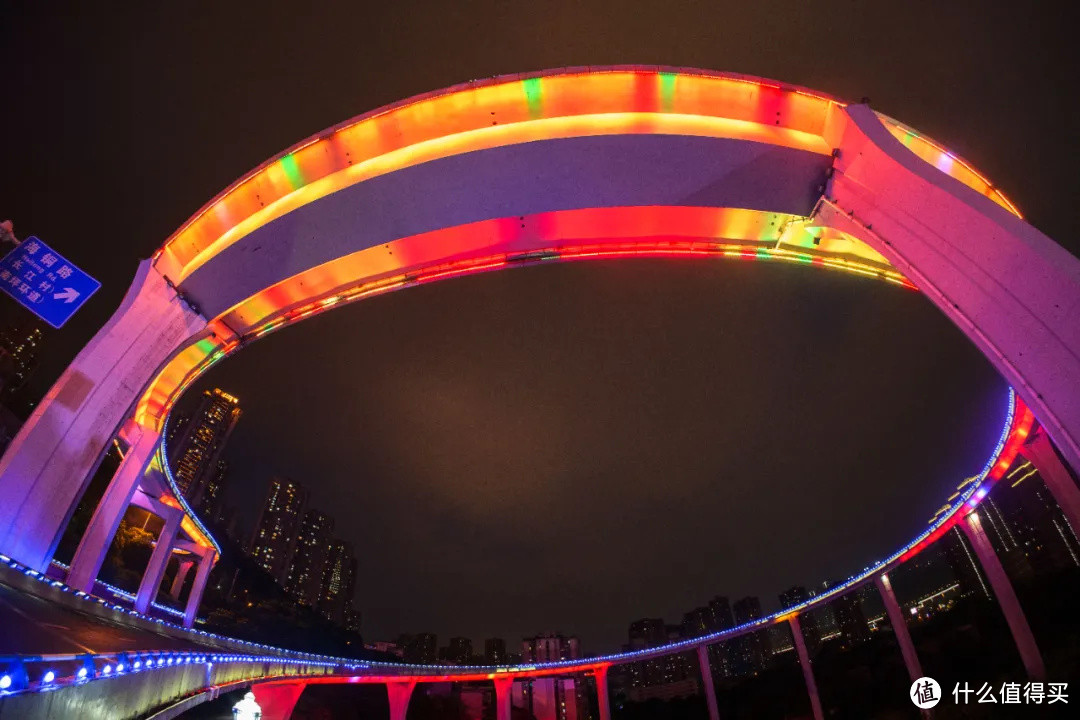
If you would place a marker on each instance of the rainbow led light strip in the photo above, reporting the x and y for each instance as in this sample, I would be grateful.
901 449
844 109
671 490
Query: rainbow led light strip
518 109
492 113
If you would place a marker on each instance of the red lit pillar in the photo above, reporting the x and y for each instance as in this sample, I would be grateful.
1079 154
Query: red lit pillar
202 572
707 682
899 626
159 560
1006 596
399 693
110 511
1040 451
807 670
181 575
504 687
603 700
277 699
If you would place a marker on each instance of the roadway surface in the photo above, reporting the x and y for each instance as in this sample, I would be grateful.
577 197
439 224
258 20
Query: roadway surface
37 626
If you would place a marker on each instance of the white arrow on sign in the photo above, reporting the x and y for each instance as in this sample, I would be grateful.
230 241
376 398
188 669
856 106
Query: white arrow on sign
68 296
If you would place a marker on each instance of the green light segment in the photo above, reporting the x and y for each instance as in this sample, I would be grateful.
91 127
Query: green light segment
292 171
667 91
534 94
206 346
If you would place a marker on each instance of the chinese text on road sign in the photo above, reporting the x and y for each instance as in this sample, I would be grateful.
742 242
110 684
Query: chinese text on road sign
44 282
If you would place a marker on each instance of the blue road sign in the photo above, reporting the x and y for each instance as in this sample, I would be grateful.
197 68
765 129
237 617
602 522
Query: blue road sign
44 282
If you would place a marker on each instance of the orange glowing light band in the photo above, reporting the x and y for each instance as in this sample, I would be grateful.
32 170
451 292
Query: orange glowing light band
516 109
947 162
635 227
192 362
187 524
498 112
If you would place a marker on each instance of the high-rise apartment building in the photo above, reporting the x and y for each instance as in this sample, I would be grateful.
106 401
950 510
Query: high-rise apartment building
797 595
748 652
460 650
850 619
647 632
195 445
339 581
550 647
20 347
495 651
311 558
420 648
721 613
353 619
662 677
278 527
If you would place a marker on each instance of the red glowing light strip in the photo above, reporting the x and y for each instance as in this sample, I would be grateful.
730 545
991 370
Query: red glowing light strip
584 667
512 100
190 364
1023 420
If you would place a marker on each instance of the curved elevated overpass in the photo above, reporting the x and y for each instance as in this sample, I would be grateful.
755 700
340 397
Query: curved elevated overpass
565 165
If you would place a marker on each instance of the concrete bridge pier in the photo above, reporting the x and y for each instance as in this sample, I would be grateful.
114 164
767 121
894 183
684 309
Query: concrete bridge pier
707 685
1040 451
399 693
278 699
110 511
178 581
807 669
1006 596
899 626
603 699
206 557
504 687
159 559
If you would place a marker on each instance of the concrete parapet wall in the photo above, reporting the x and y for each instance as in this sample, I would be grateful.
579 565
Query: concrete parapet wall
136 694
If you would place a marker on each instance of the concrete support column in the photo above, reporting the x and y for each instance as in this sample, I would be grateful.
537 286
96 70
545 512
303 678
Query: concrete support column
1006 596
1040 451
807 670
159 560
707 682
178 581
205 563
503 690
1008 287
603 699
899 626
399 693
277 700
49 463
110 511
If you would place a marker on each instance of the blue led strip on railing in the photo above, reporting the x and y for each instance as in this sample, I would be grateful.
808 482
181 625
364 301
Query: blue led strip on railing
119 592
16 664
163 459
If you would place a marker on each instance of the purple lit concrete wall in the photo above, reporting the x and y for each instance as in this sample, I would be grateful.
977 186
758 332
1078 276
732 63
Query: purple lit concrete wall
1012 290
46 468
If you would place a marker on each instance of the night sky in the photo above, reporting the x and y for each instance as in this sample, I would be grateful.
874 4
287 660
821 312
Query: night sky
563 447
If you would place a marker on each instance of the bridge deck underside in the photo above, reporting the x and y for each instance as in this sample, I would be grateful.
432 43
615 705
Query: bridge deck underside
512 181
